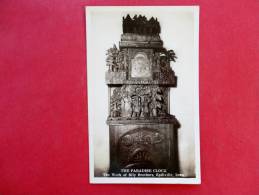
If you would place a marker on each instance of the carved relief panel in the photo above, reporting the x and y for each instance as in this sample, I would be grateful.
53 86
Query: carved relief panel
141 148
138 101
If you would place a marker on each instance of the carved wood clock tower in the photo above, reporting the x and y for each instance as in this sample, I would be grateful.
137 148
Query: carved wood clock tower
143 135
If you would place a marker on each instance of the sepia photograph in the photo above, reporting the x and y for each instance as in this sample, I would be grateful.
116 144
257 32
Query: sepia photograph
143 94
129 97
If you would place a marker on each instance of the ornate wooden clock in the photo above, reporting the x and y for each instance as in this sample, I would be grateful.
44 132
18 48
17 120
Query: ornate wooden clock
143 135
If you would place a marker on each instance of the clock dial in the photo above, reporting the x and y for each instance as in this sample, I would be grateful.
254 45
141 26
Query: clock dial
141 67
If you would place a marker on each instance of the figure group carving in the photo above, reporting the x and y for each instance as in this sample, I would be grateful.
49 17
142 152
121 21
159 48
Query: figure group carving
138 101
141 25
115 59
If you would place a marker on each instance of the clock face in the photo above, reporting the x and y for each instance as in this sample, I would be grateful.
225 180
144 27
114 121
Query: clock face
140 66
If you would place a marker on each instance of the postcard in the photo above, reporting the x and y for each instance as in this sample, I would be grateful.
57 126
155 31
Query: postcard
143 94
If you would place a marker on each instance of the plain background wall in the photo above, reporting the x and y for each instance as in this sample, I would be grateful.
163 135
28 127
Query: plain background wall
178 33
43 118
